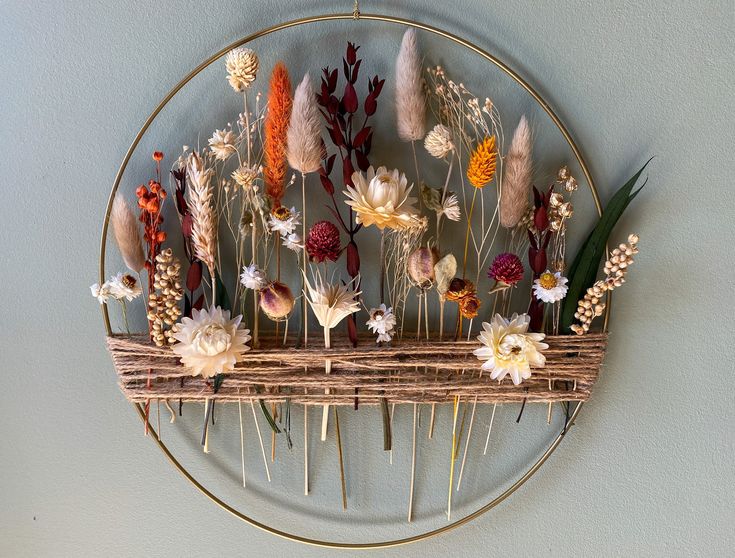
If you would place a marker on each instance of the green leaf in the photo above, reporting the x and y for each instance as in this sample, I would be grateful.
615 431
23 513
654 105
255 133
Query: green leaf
431 197
583 272
223 300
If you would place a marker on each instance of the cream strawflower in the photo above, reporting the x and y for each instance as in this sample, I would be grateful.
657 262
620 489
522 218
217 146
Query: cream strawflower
450 208
210 343
284 220
253 278
123 286
292 242
509 349
550 287
244 176
242 67
382 199
222 144
382 321
331 303
101 292
438 142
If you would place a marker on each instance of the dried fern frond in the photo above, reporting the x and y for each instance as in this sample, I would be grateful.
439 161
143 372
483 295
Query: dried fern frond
481 168
276 128
410 98
127 234
204 222
304 146
514 199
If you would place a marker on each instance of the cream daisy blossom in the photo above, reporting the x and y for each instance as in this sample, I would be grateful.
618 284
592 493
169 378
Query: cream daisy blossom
509 350
284 220
101 292
382 321
210 343
330 303
550 287
253 278
381 198
222 144
292 242
124 286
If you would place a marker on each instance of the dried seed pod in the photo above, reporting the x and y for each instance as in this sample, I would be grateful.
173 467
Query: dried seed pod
420 266
277 301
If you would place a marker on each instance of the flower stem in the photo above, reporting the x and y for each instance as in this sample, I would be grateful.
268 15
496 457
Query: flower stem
303 260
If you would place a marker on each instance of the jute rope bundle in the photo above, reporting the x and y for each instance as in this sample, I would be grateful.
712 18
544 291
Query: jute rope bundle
408 372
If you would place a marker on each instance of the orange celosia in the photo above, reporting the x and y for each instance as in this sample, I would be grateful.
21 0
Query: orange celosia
276 127
481 168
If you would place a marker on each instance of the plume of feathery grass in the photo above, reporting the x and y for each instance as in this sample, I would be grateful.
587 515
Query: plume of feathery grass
481 168
516 177
304 146
410 98
204 223
127 234
276 128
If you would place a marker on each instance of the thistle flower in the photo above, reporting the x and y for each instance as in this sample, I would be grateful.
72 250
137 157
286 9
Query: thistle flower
481 168
383 322
331 303
276 300
550 287
276 128
222 144
304 146
420 266
516 177
382 199
253 278
284 220
204 223
210 343
410 98
438 142
509 350
127 234
323 242
242 67
506 270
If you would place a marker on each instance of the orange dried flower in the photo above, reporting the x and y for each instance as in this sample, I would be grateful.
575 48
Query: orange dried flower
459 289
469 306
481 168
158 156
276 128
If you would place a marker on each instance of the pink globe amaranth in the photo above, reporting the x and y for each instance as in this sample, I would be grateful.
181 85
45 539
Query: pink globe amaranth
506 268
322 242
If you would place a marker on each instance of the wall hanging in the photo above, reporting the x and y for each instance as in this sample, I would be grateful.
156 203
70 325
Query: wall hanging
366 244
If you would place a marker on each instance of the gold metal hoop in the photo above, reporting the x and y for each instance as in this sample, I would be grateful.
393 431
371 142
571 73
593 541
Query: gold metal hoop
118 178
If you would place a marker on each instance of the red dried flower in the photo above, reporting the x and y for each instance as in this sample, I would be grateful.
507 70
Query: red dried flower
506 268
158 155
322 242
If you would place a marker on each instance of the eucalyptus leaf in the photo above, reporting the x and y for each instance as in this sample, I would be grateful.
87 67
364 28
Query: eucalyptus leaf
431 197
223 299
444 270
583 272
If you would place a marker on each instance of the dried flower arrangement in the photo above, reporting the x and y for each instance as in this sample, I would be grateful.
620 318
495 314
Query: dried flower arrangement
229 199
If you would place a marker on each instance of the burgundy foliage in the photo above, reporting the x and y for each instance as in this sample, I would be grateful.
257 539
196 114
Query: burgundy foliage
537 260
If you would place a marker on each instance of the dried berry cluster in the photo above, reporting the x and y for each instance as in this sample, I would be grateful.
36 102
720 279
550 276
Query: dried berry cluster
615 269
150 202
163 304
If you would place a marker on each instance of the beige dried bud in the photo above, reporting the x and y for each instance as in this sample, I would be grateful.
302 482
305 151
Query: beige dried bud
438 142
277 301
242 67
420 266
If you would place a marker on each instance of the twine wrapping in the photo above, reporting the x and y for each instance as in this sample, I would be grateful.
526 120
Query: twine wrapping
406 372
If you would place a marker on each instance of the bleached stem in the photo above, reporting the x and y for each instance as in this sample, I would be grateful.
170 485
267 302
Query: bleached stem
242 442
489 429
306 450
467 443
260 439
328 370
451 465
413 466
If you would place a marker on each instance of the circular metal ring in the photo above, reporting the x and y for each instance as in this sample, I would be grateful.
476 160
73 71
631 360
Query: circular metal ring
118 178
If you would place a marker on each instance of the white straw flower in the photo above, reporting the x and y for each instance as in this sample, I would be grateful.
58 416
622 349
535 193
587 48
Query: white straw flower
244 176
210 343
222 144
284 220
550 287
438 142
242 67
124 286
382 199
509 349
101 292
292 242
450 208
253 278
382 321
331 303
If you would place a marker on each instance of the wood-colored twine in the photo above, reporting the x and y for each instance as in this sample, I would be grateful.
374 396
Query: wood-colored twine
394 372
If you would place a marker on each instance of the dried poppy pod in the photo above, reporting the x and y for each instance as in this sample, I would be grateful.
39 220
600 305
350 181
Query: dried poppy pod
276 300
420 265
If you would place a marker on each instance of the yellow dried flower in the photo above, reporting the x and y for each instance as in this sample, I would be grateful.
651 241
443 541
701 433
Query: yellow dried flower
481 168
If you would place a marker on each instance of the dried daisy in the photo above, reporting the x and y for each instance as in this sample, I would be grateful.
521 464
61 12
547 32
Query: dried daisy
163 303
330 303
284 220
222 144
438 142
244 176
383 322
516 188
550 287
253 278
410 99
381 198
127 234
481 168
242 67
616 267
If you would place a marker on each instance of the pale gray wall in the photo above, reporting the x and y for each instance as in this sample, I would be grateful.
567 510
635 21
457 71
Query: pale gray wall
648 469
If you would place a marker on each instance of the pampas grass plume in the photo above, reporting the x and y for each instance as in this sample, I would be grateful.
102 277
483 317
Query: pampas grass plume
127 234
410 99
304 146
276 127
516 177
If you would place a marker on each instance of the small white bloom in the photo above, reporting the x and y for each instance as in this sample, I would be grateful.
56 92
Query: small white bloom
210 343
509 349
101 293
550 287
382 198
293 242
331 303
382 321
124 286
450 208
222 144
283 220
253 278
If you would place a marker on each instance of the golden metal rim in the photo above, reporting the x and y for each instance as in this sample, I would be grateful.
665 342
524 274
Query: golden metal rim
118 178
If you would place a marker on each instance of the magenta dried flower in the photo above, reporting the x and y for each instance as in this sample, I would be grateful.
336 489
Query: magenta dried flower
506 268
322 242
